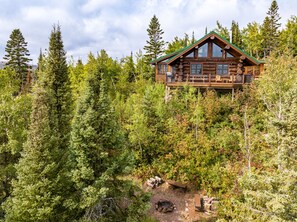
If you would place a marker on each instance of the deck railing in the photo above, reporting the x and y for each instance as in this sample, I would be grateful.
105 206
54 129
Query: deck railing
238 79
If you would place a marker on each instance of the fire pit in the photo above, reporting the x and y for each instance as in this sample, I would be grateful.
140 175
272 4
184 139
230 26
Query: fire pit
164 206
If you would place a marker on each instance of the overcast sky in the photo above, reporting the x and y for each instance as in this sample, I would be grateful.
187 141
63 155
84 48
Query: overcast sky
119 26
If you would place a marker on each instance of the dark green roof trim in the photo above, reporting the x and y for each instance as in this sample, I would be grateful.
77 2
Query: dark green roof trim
173 56
190 46
165 56
243 52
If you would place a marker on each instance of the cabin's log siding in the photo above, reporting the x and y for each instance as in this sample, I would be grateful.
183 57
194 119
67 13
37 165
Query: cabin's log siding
209 66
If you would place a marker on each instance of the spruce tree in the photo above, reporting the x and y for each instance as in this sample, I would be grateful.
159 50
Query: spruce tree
56 82
17 56
236 34
33 197
96 147
270 29
155 44
193 40
42 187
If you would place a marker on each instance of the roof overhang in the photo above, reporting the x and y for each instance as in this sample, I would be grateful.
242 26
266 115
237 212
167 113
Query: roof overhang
170 58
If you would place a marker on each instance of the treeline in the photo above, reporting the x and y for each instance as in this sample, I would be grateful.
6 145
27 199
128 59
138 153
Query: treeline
257 39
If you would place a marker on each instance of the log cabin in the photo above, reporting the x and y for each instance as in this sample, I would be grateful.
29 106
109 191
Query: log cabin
211 62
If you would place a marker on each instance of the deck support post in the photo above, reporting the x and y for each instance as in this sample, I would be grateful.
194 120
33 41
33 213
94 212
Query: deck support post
167 94
233 94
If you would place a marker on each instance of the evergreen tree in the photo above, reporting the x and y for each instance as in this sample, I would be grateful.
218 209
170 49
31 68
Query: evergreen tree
40 63
193 40
236 36
57 84
186 40
33 197
155 44
42 186
17 56
270 29
96 145
130 68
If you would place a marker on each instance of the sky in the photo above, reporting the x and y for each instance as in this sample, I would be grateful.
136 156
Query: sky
119 26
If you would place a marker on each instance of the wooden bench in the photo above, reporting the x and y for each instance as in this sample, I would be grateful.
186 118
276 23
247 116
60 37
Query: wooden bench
176 184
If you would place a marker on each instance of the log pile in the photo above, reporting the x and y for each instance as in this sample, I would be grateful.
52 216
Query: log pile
205 204
154 182
240 68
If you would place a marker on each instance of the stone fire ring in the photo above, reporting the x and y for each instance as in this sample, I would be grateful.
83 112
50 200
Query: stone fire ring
164 206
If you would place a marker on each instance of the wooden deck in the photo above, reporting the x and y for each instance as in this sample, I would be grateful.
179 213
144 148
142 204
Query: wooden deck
216 85
211 81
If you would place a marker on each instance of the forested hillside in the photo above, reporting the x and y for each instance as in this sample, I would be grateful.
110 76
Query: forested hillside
75 137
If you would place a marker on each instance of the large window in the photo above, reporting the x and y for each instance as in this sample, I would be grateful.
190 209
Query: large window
162 68
216 50
202 50
222 69
196 69
190 55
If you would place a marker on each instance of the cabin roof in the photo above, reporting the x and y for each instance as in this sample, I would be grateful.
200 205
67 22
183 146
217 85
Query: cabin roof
175 55
167 56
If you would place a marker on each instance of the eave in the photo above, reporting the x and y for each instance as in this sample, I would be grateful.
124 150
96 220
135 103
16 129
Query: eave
204 38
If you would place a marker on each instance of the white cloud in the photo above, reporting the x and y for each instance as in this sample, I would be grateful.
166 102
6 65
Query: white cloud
119 26
95 5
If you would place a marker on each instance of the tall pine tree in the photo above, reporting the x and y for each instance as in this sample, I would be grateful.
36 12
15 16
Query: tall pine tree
270 29
155 44
42 187
17 56
236 36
